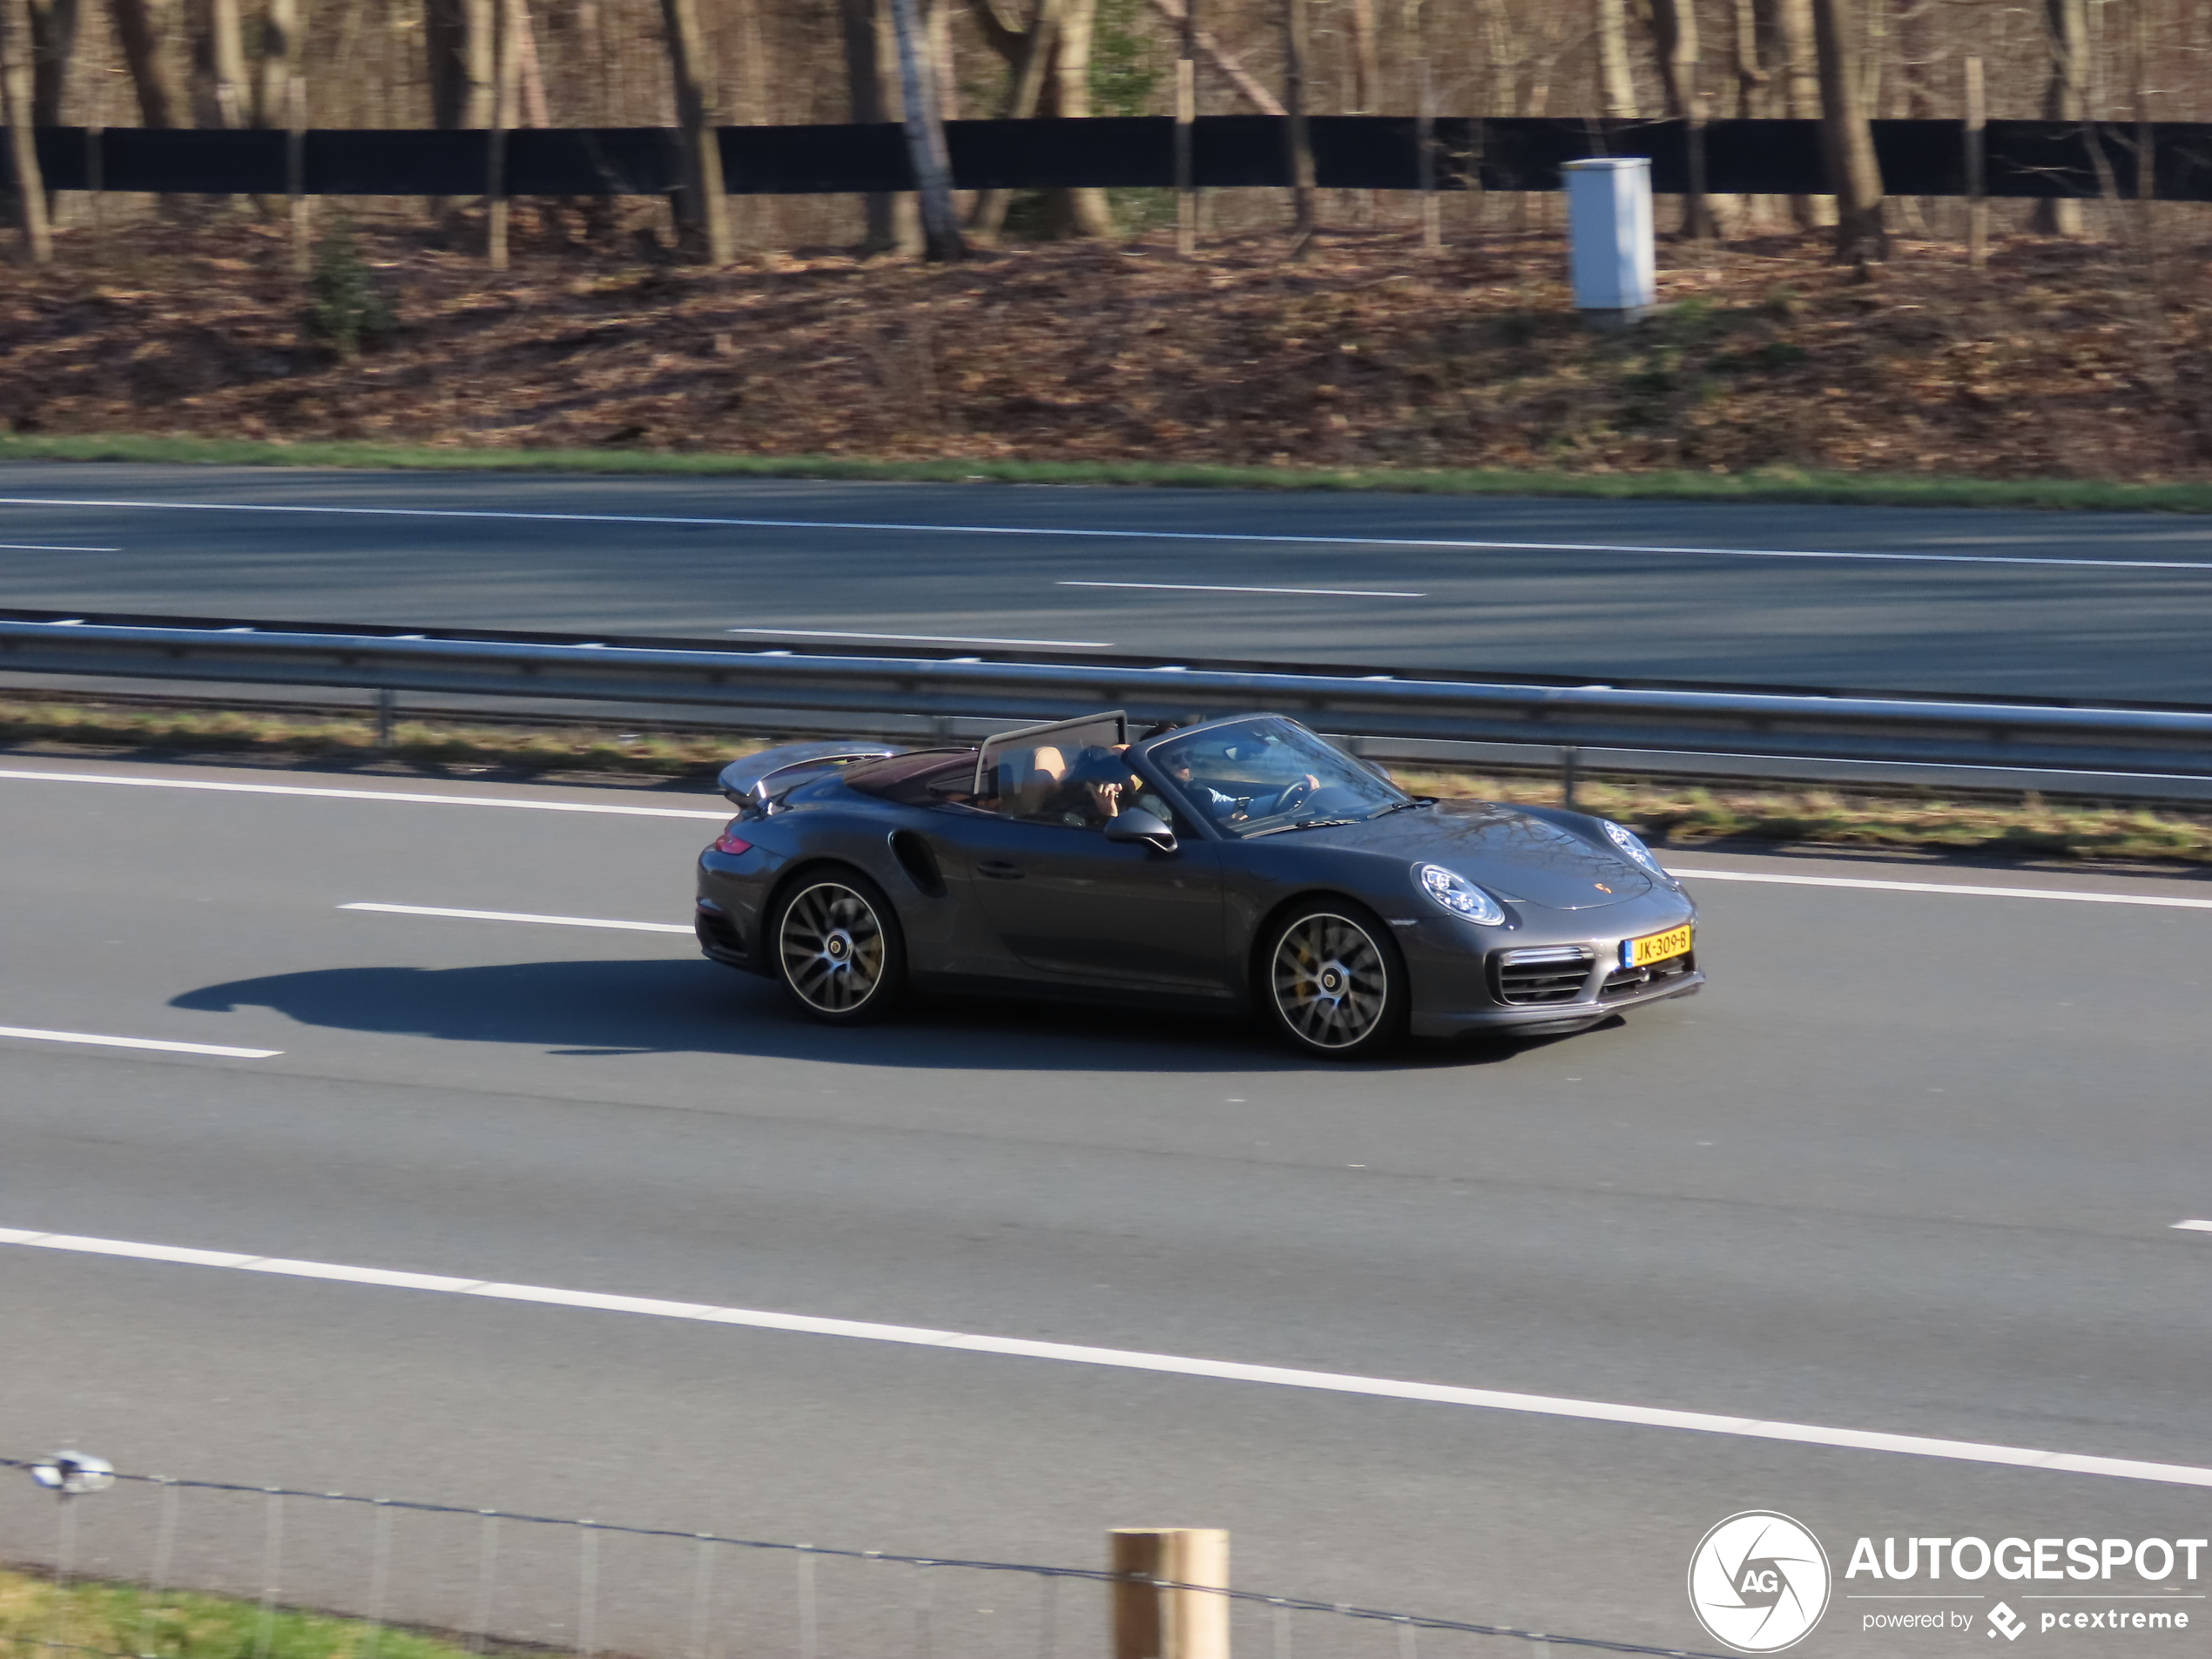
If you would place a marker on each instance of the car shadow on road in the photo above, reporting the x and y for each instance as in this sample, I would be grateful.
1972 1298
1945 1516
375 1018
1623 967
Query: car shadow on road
610 1009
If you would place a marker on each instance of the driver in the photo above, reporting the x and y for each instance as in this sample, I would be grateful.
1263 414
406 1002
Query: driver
1236 809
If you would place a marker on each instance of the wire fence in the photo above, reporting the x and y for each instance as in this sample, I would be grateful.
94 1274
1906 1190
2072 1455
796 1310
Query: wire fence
492 1580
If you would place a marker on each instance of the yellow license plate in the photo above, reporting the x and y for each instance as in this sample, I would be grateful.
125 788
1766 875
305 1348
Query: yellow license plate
1657 947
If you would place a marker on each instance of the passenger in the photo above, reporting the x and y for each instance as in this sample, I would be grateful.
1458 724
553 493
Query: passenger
1097 786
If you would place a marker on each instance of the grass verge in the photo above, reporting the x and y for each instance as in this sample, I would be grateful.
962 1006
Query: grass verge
39 1616
1673 814
1763 484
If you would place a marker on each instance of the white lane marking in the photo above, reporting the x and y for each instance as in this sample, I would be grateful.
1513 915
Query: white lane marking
2070 896
1448 543
2194 1227
361 794
1215 586
518 915
219 1050
36 547
919 639
1125 1359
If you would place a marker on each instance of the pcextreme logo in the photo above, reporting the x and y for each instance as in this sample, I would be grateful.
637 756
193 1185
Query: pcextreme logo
1758 1581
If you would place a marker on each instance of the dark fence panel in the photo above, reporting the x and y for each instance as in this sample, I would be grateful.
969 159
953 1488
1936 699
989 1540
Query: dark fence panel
2025 158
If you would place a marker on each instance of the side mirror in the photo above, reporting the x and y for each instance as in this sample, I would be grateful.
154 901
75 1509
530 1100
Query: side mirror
1137 825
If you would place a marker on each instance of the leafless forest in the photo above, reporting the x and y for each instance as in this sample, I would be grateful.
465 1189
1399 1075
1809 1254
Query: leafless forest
441 63
2073 340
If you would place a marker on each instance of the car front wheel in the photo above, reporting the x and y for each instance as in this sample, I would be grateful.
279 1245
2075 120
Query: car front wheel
1333 981
838 952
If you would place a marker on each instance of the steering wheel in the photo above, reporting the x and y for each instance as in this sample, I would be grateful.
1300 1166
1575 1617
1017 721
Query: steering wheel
1295 795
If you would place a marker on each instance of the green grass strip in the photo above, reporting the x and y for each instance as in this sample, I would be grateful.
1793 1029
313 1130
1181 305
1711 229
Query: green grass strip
1672 812
42 1620
1765 484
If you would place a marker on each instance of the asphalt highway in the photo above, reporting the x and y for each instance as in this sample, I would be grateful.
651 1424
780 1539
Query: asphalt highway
1911 1167
2036 604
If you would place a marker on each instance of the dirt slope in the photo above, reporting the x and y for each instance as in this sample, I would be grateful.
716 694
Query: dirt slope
2058 363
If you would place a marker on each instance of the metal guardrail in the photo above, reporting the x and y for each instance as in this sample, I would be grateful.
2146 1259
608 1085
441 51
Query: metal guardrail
2144 751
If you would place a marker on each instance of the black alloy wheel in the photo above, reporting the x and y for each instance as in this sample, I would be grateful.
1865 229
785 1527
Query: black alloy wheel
1334 982
838 951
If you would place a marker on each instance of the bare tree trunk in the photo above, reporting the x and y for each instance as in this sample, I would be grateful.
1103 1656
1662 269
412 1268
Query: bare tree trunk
1048 77
23 151
458 35
279 62
1674 28
1082 210
937 35
866 104
925 140
1230 69
1186 116
1847 139
1799 58
1366 63
1752 82
706 202
1032 52
1616 76
53 50
535 110
219 91
2067 28
1297 55
137 26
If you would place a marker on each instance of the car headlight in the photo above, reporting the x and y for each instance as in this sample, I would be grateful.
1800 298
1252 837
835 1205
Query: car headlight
1632 844
1458 895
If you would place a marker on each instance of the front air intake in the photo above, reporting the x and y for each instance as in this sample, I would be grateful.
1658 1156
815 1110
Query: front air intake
1542 974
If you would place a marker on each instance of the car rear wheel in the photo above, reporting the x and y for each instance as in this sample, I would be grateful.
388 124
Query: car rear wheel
1334 982
838 951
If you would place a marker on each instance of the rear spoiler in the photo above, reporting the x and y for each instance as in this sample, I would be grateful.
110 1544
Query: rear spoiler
759 778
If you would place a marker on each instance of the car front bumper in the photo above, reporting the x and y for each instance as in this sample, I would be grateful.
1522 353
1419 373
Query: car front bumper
1556 971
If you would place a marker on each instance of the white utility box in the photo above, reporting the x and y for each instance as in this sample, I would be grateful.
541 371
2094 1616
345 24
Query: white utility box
1608 235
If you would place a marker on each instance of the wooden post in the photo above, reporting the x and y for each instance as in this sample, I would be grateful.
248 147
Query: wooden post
1425 163
1150 1622
96 186
505 64
1186 115
295 174
1974 136
2146 146
23 151
1297 57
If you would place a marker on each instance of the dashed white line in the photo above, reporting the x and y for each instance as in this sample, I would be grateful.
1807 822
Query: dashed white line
2194 1227
1213 587
36 547
919 639
221 1051
1977 890
720 816
518 915
1126 1360
1445 544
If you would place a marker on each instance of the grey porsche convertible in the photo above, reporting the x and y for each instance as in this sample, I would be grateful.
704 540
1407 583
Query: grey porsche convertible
1241 864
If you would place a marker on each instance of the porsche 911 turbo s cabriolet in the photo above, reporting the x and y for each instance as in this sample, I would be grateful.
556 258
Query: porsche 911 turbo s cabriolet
1238 863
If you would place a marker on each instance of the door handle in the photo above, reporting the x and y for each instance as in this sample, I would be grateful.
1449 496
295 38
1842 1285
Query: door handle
999 870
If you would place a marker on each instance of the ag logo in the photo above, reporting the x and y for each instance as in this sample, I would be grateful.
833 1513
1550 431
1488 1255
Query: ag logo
1758 1581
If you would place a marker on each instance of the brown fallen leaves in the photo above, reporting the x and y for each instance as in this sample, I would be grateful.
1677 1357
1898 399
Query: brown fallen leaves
2061 361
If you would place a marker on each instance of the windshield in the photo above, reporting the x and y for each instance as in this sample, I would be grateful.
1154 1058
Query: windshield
1253 777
